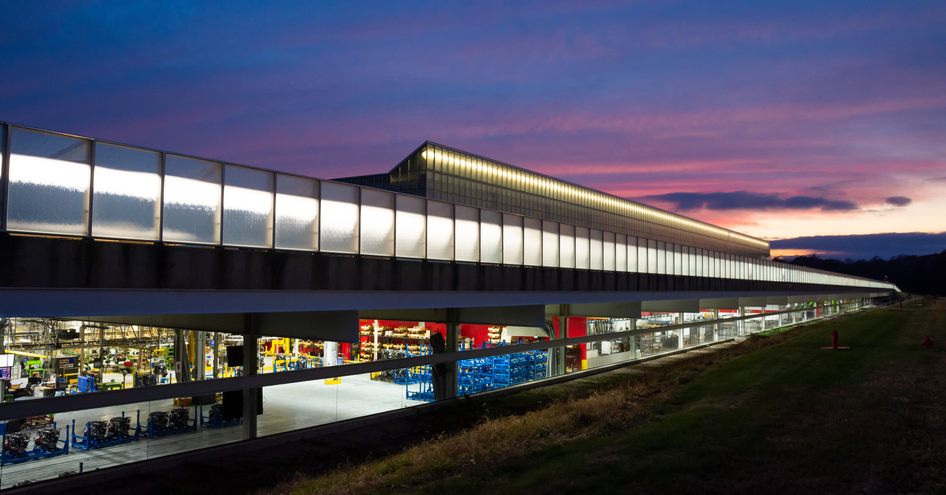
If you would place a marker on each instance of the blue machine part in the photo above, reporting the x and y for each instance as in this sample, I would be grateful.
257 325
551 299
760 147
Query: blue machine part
46 444
214 418
101 434
168 423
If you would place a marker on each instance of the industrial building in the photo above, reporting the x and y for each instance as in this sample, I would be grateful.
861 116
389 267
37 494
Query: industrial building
154 304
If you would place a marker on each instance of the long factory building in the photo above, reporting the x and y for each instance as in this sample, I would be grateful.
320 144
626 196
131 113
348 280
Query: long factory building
155 304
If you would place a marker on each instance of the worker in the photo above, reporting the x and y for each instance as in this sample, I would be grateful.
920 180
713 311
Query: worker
439 371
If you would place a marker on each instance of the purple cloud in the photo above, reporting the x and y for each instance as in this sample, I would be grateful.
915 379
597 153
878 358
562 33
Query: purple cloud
746 200
898 200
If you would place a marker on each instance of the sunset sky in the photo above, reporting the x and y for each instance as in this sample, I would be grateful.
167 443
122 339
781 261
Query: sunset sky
778 119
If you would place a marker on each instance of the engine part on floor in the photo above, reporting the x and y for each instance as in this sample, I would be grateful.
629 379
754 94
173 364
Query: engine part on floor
175 422
47 439
45 444
101 434
216 418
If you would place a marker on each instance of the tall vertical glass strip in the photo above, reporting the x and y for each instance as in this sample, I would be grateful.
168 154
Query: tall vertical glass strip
582 248
192 193
550 244
411 229
377 222
127 193
48 183
491 236
248 207
467 233
297 213
608 247
532 241
512 239
339 218
439 231
620 253
567 245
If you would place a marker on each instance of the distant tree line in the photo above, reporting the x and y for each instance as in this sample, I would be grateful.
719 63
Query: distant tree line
916 274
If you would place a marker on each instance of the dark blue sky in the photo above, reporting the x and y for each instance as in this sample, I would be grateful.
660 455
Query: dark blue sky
762 116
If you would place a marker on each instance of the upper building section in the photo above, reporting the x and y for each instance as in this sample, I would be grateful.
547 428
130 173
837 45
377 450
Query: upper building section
443 173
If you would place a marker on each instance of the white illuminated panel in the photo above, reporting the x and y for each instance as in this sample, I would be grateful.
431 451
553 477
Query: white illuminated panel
512 239
377 222
532 241
550 244
608 258
247 207
491 236
192 190
597 249
439 230
467 233
297 213
339 218
582 248
661 257
411 227
49 183
567 246
620 252
634 253
127 199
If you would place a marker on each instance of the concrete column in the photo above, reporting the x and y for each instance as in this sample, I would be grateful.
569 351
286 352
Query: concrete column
679 320
557 354
250 360
452 345
200 344
716 324
632 340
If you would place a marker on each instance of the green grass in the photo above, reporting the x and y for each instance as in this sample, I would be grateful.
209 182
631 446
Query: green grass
774 415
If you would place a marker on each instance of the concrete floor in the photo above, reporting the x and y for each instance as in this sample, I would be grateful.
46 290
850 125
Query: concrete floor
285 407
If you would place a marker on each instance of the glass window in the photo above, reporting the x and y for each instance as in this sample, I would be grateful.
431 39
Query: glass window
550 244
48 183
620 252
567 246
411 233
339 217
652 256
512 239
609 257
467 236
191 200
127 193
491 236
247 207
597 249
297 213
532 242
377 222
439 230
582 248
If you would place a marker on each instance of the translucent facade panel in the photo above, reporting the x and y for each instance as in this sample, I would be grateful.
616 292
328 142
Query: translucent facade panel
597 249
411 230
439 230
377 222
512 239
620 253
297 213
608 260
677 259
550 244
127 193
192 194
661 257
651 256
582 248
247 207
339 218
491 236
48 183
633 255
532 241
567 246
467 233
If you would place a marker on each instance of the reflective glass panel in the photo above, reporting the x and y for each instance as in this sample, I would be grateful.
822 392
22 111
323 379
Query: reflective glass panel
532 241
297 213
467 228
512 239
127 198
491 236
377 222
247 207
48 183
411 230
439 230
582 248
191 200
339 217
567 246
550 243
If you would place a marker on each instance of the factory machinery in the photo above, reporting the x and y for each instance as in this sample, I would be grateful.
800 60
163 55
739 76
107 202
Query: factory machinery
106 433
168 423
46 443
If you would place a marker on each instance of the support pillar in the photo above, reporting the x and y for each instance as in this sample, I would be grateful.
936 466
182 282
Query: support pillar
452 345
679 321
250 364
715 324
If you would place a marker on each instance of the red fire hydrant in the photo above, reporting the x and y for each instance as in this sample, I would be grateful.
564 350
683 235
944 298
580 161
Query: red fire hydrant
927 342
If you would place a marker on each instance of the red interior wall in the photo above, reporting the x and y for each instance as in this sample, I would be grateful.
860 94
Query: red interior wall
479 333
578 327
